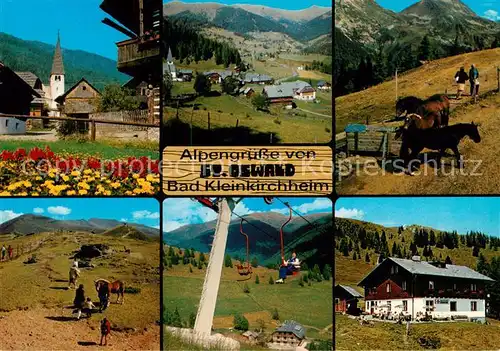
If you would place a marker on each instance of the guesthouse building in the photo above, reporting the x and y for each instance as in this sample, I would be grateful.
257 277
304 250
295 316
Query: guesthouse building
422 290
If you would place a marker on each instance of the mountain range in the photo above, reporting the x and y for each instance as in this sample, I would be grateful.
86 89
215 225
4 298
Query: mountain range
34 224
36 57
302 25
365 21
313 243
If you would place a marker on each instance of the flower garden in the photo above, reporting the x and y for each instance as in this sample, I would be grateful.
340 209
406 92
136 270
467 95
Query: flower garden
41 172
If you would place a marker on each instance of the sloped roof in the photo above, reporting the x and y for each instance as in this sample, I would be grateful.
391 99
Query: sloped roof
62 97
353 292
425 268
29 78
256 77
292 327
57 63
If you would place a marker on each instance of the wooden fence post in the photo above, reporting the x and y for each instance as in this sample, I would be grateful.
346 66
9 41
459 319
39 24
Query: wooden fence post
92 130
498 79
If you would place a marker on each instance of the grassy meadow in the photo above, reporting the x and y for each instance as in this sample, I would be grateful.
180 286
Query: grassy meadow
386 336
437 77
42 285
309 305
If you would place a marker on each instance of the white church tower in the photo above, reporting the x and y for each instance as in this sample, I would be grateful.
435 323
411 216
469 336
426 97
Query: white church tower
56 76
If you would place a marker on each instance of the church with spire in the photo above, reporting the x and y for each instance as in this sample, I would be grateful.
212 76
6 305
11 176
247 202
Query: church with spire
56 86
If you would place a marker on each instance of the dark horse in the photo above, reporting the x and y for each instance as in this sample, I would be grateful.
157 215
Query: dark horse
439 139
436 108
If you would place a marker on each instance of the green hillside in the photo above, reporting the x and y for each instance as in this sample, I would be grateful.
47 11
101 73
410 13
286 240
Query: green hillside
308 301
241 21
359 245
312 243
36 57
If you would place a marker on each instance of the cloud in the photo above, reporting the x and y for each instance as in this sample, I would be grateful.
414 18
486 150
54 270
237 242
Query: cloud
179 212
38 210
169 226
349 213
491 15
317 205
125 220
242 209
145 214
7 215
59 210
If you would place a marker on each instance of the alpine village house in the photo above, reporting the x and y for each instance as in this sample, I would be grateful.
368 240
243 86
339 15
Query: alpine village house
425 290
139 56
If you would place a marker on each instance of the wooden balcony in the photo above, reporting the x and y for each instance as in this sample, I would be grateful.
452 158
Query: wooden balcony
139 56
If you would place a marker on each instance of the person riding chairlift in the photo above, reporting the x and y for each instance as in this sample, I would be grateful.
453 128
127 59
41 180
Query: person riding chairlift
288 267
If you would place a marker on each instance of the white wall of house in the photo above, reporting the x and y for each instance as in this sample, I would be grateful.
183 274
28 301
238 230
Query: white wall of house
306 97
438 307
12 126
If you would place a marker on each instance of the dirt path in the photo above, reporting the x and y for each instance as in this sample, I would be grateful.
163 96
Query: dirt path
480 175
54 329
314 113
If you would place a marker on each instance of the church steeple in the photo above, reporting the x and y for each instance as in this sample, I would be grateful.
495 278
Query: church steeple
170 58
57 63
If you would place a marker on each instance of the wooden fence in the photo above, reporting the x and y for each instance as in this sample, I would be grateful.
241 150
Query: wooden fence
375 140
93 122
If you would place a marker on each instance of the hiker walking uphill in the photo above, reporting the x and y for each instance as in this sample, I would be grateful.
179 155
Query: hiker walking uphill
4 251
10 250
461 77
474 80
74 274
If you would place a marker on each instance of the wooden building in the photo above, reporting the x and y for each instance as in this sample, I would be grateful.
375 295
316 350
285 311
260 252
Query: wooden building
289 334
139 56
79 102
140 20
16 97
37 104
430 290
346 299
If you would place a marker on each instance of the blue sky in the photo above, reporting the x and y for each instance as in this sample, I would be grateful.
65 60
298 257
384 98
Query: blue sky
131 210
486 8
445 213
78 20
179 212
280 4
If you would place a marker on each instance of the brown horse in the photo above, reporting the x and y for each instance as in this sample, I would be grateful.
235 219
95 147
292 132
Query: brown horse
414 120
435 105
117 287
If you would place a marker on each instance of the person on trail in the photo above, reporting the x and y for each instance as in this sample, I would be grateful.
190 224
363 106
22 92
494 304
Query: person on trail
288 267
88 306
103 296
79 301
461 77
474 80
4 250
105 330
10 251
74 273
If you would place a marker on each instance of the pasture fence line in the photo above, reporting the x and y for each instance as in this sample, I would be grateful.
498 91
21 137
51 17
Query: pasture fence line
93 122
22 249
